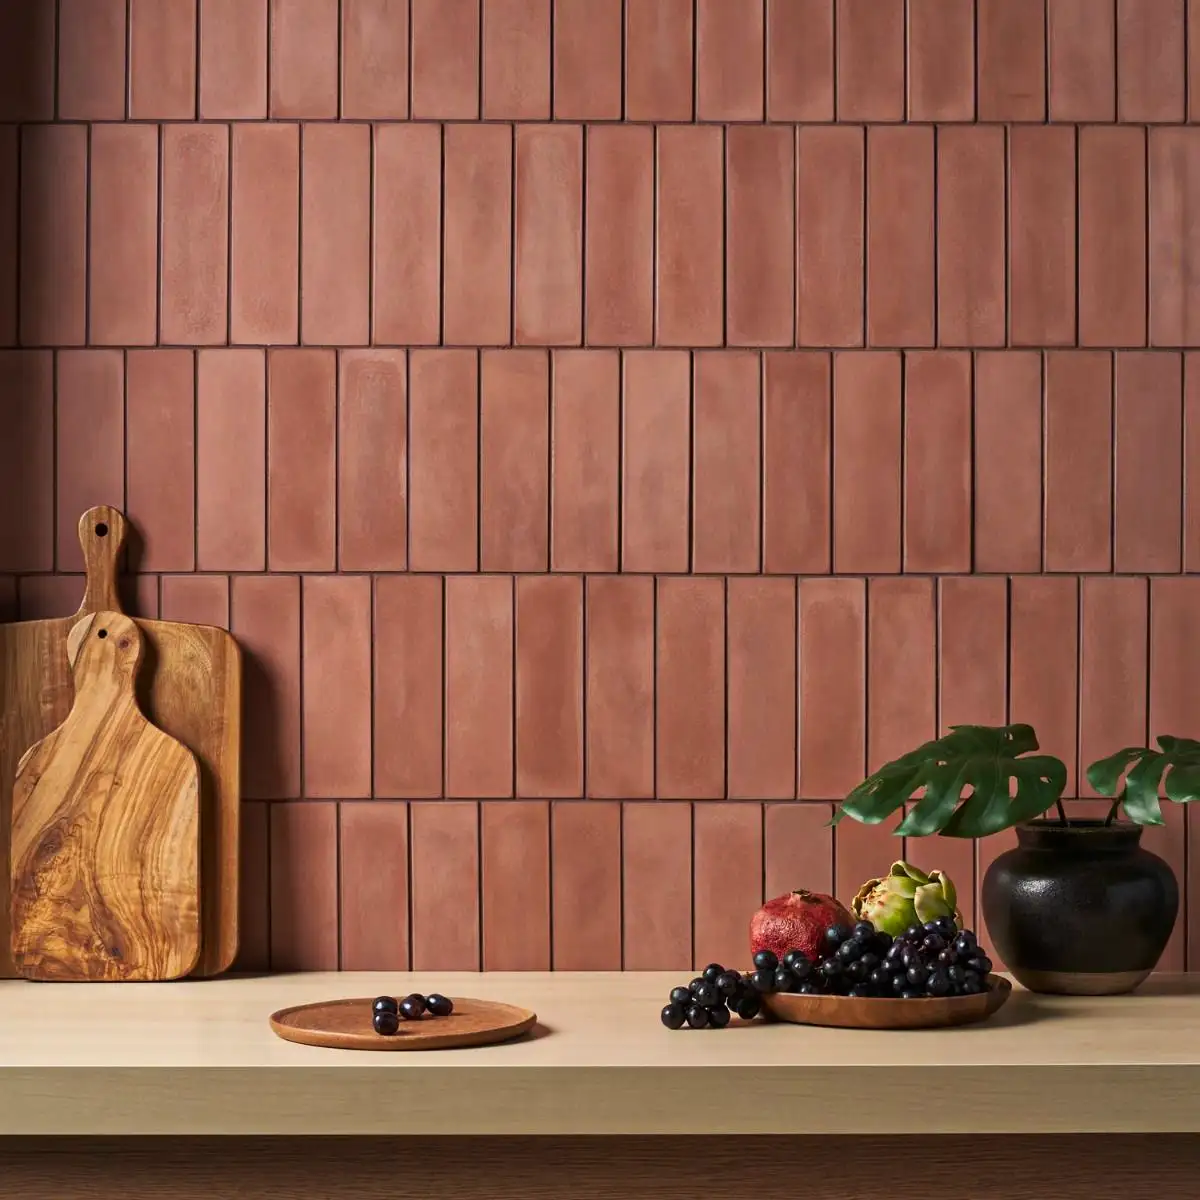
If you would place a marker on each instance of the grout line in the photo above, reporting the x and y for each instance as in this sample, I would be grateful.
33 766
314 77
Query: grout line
372 276
337 881
195 469
725 741
1078 772
1112 461
584 141
1043 456
479 878
408 882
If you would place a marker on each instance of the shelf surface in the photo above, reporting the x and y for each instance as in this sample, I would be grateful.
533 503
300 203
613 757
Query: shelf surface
199 1058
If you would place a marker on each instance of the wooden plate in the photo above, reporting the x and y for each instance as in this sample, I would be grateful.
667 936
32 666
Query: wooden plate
346 1025
855 1012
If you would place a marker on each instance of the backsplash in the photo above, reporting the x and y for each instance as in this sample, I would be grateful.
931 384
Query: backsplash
612 427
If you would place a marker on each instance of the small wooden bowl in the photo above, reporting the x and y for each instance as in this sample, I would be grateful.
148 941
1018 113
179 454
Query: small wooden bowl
858 1012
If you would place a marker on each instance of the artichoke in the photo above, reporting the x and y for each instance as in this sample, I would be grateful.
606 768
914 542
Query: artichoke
906 896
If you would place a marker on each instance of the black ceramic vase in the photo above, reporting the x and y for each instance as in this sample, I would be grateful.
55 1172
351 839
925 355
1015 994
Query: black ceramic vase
1080 909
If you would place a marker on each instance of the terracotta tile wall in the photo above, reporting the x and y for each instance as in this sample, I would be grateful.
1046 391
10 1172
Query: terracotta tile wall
611 426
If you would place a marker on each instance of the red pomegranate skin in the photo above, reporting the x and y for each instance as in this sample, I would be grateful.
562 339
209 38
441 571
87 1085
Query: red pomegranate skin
796 921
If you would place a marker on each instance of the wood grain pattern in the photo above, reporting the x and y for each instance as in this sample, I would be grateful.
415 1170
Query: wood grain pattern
1076 1167
851 1012
105 855
189 686
346 1025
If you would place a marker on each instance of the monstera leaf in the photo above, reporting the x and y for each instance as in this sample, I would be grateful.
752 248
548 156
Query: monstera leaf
966 784
1177 758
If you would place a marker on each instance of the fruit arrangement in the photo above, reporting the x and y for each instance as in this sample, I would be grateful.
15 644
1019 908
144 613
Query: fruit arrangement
387 1011
806 942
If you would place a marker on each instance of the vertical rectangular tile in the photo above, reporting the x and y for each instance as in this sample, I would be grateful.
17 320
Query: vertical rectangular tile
477 242
799 848
195 234
160 449
971 281
548 232
1174 166
937 461
1078 468
972 651
516 60
830 237
729 848
479 685
690 243
27 453
1008 461
91 60
303 68
375 59
443 460
90 442
196 599
799 60
657 886
373 874
1044 663
407 211
690 700
941 60
445 886
549 694
585 455
123 235
335 234
797 462
762 688
336 657
515 875
656 475
53 251
231 452
265 234
588 57
870 60
866 462
859 851
254 889
445 59
265 618
514 460
901 667
1011 45
726 467
619 251
619 660
729 60
49 596
301 464
139 595
407 644
1151 46
658 60
900 254
833 678
304 887
10 242
1113 664
1081 52
1112 236
760 213
1148 483
1041 231
27 42
1191 465
162 59
585 856
233 59
372 460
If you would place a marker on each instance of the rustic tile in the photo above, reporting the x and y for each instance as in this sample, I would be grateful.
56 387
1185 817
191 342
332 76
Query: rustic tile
1174 166
727 880
658 60
729 60
27 453
303 67
798 846
515 886
1151 45
870 60
445 59
516 60
585 857
445 886
233 59
972 651
373 875
375 59
901 667
941 60
162 59
657 886
1011 44
92 37
304 887
196 599
588 57
799 60
1081 53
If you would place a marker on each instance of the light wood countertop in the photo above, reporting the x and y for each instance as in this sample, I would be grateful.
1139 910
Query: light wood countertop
199 1058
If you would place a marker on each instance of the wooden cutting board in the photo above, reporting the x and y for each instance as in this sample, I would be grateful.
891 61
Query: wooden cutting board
189 686
105 871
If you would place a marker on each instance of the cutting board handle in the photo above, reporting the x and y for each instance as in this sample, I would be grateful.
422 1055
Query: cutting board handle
101 535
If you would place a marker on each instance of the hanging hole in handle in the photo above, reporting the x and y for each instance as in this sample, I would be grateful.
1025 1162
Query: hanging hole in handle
102 530
103 633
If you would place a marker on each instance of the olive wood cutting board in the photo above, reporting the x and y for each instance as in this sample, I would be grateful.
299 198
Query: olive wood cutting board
189 686
105 871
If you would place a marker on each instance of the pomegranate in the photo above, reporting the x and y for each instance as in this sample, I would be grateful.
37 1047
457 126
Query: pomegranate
796 921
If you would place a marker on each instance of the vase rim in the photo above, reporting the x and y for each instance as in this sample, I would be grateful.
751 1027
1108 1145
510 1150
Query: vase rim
1085 833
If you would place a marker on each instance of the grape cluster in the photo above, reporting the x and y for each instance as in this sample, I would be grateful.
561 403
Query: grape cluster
387 1011
712 998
